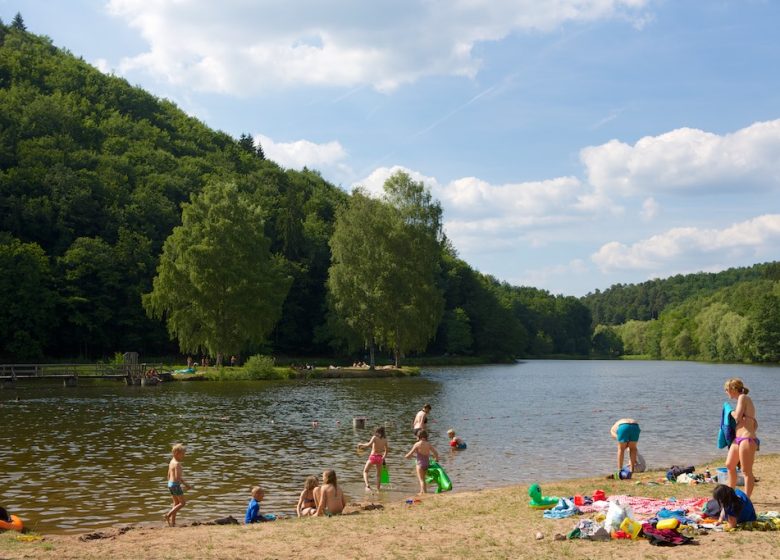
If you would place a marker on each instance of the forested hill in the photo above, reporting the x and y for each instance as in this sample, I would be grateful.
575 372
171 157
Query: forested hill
94 174
645 301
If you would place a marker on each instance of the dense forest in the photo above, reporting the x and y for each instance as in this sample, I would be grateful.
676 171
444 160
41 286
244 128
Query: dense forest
731 316
127 225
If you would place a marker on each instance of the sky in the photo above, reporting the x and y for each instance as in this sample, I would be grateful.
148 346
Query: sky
573 144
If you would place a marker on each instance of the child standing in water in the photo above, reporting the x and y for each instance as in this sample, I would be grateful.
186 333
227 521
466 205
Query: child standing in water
329 497
423 450
175 483
379 448
626 432
307 505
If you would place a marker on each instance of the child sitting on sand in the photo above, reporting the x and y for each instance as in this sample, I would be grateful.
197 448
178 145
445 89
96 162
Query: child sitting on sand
455 441
379 449
626 432
307 505
175 483
329 497
253 514
736 507
423 450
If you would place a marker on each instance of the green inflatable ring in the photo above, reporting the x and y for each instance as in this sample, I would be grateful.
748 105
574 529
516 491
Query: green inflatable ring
538 501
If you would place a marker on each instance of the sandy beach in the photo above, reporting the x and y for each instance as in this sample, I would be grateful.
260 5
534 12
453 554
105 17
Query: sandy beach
493 523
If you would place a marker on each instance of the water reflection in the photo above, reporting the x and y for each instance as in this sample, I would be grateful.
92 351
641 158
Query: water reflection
97 455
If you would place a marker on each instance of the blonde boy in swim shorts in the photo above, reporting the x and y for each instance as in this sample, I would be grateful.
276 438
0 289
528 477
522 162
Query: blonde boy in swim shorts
626 432
175 483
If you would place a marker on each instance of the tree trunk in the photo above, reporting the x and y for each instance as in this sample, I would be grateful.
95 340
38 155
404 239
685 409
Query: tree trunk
371 360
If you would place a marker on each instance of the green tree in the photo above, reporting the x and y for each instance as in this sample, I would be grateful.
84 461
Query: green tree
384 270
607 342
27 300
457 331
18 22
217 284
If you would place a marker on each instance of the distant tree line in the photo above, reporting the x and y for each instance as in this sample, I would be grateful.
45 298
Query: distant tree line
732 316
127 225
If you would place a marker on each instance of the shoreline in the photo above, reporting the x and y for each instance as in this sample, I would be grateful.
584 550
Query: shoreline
489 523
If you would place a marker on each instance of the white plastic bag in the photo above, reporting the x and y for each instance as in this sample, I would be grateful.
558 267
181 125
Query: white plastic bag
615 516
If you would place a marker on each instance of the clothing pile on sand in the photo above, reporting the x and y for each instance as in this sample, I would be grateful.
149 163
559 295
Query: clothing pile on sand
663 522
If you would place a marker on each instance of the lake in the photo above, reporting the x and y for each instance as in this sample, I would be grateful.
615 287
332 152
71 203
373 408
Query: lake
81 458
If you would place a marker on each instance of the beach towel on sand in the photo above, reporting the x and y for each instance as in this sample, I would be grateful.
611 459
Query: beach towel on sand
647 506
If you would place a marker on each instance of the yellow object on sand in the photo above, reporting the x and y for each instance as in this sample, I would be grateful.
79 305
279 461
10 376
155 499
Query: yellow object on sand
670 523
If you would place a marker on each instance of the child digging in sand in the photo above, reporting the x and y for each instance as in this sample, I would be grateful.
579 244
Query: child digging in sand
379 448
424 450
175 483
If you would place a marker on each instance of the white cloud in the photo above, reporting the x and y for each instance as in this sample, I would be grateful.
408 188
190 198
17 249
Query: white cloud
304 153
480 216
688 161
547 275
241 47
650 209
757 238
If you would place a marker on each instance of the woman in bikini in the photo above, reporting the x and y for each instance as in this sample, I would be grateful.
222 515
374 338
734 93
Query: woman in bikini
379 448
421 420
306 503
743 448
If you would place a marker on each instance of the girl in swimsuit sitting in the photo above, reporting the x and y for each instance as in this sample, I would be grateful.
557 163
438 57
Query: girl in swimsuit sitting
379 448
743 448
306 503
423 451
329 497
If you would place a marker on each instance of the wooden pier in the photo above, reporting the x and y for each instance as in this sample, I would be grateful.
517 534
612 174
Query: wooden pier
131 373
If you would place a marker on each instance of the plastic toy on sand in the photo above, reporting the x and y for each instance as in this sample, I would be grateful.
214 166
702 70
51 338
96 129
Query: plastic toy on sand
437 475
537 500
14 523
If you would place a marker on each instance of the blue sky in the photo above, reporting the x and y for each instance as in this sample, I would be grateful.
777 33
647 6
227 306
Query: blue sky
573 144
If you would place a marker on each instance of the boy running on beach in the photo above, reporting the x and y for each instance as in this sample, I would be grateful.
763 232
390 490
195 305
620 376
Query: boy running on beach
175 483
379 448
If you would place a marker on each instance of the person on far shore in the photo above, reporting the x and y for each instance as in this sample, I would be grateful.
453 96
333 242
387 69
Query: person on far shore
329 497
626 432
421 419
735 505
175 483
379 449
743 449
253 514
307 505
423 449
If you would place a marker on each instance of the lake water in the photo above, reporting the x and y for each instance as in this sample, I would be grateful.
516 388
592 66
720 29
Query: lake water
80 458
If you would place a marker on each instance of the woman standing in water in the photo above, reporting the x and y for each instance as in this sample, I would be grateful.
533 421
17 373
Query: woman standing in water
743 448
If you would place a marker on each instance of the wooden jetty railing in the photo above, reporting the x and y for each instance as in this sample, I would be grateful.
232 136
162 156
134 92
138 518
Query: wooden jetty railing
133 373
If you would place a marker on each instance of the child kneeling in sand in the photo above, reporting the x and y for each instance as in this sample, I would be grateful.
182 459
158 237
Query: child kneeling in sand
735 505
329 497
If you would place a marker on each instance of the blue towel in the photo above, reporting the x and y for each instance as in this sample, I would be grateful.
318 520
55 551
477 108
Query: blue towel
728 427
565 508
